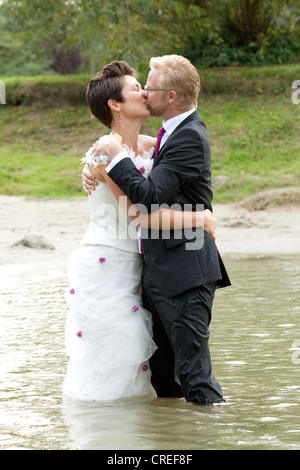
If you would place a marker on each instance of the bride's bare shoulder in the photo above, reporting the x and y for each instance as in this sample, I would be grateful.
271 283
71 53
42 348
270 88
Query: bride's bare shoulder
147 141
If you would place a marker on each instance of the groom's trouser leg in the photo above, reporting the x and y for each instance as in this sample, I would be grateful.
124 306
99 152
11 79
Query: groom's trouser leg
186 319
162 363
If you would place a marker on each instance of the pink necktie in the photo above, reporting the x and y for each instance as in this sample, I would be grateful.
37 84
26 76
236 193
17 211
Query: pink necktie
160 134
159 137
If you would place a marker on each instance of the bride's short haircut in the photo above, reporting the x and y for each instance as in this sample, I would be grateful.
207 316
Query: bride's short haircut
107 85
179 74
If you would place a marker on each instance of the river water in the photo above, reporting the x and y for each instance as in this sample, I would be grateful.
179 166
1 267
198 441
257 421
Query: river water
255 347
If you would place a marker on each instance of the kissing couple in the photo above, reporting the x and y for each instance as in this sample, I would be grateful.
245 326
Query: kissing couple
140 306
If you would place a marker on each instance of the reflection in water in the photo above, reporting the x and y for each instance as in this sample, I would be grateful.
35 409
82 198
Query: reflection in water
143 424
255 340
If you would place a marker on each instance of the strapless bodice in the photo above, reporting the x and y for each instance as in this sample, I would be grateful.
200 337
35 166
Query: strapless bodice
109 224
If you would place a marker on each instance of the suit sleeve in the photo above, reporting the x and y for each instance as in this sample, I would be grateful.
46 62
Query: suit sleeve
179 167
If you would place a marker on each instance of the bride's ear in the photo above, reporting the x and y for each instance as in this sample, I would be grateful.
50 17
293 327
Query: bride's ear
113 105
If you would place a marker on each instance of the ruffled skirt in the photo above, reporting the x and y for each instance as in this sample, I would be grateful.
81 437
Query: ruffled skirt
108 333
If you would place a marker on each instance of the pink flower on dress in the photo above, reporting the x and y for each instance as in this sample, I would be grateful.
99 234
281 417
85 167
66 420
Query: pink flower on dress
145 367
72 291
79 334
142 169
102 260
135 308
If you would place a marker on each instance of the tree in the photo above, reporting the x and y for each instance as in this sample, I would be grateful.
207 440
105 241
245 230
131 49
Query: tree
77 35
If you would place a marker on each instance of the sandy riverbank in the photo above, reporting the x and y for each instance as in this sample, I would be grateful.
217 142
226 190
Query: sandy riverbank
272 231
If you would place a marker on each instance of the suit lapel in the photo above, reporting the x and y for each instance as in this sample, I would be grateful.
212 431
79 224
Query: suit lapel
192 117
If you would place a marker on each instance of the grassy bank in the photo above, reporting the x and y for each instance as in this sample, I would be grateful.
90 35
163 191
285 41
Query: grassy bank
57 90
254 139
255 146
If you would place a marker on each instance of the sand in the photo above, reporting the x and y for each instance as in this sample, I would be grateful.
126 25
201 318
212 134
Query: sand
62 223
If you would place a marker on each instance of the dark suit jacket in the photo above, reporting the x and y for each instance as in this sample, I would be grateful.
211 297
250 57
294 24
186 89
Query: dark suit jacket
181 176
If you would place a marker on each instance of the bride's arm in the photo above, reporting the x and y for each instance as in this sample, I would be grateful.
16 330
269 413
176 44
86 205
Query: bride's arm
164 219
161 219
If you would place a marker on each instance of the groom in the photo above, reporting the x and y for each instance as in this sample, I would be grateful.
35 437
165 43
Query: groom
181 273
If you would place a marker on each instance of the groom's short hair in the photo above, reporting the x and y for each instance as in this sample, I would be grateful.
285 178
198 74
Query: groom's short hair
179 74
107 85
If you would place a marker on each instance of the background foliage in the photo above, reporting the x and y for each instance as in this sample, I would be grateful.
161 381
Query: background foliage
247 54
78 36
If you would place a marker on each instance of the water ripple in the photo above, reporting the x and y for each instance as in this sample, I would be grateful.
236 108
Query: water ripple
254 334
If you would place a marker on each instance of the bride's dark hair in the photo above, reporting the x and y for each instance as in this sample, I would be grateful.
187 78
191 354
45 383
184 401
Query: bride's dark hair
107 85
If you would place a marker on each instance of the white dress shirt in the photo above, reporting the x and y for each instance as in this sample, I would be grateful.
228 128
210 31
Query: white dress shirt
171 124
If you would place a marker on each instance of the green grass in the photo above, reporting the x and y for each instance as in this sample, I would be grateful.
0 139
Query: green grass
254 141
40 150
255 144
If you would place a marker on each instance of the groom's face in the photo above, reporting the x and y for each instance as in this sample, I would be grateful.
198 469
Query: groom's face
157 100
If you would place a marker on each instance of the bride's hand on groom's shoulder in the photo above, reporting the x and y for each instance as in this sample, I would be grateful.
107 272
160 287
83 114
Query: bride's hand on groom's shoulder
109 145
89 182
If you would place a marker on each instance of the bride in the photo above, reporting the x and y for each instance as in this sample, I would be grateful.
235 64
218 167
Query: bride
108 332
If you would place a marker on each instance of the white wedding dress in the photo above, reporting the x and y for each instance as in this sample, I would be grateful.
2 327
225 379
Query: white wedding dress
108 333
